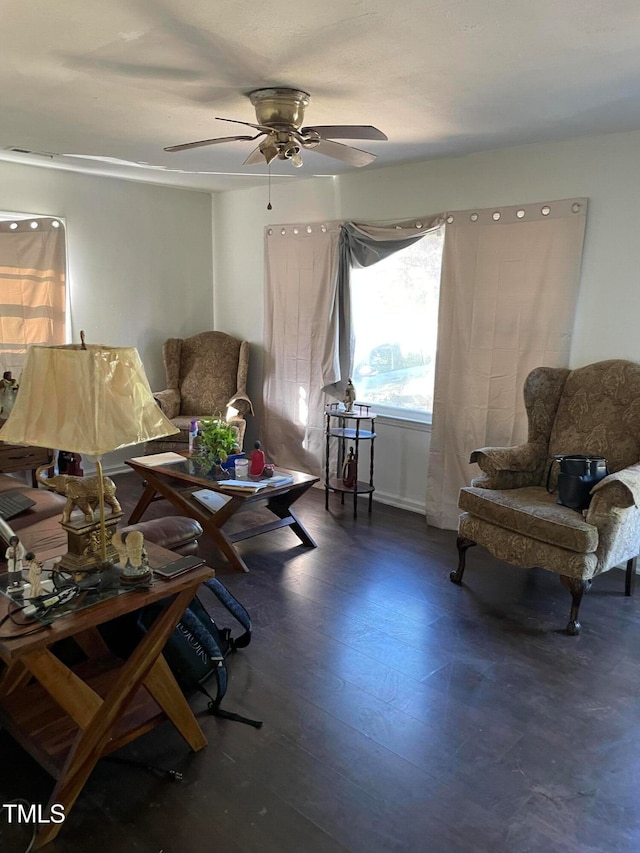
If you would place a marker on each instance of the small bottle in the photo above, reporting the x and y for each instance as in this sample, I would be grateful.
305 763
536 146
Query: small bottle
193 434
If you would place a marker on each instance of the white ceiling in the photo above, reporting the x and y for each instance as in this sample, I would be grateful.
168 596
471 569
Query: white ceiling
124 78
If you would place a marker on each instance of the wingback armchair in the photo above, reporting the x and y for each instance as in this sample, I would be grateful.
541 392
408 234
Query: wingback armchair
206 377
508 509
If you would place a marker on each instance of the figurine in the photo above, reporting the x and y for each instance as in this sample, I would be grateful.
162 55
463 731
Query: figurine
136 552
70 463
14 555
133 558
256 460
349 396
81 492
8 389
35 577
350 470
121 548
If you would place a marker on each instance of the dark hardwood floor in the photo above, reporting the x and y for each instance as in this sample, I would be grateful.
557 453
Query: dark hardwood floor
401 713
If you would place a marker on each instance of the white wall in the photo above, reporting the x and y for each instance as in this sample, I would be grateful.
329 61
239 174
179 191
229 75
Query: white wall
140 257
603 168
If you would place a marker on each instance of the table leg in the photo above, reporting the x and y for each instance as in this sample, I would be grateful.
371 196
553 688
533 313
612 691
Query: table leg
90 744
143 504
162 685
225 545
280 505
14 677
211 522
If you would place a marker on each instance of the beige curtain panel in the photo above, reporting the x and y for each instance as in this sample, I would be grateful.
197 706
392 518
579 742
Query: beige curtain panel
507 302
32 288
301 341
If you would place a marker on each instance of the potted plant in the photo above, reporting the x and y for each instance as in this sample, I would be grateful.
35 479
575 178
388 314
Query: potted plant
216 440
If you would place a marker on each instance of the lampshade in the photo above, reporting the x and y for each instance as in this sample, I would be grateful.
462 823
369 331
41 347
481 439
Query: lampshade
89 399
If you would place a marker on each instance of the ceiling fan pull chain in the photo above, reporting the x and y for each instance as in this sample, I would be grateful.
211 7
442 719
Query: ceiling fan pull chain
269 168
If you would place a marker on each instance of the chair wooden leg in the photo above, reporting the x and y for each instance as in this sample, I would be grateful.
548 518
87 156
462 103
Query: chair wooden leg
463 545
630 579
577 587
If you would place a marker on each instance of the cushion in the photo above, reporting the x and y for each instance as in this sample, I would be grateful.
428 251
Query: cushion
532 512
175 532
527 552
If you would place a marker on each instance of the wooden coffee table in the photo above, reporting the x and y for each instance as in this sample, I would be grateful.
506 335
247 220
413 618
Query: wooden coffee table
177 480
68 717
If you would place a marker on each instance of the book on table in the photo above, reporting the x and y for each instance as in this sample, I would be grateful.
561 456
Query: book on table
243 485
253 486
213 501
279 480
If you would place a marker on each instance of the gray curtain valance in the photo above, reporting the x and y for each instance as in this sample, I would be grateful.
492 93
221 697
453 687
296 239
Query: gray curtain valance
362 245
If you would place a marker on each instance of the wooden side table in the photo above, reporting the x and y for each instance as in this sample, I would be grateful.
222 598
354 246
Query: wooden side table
15 457
69 717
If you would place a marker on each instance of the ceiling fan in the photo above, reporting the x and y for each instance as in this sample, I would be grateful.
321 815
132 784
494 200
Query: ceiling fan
279 115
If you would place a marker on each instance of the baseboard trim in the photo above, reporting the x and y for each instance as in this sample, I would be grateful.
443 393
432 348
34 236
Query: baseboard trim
399 502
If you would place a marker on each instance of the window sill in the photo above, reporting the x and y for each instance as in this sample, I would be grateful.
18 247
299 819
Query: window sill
404 422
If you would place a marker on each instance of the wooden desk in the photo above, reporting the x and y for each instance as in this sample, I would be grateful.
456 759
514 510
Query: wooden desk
175 481
68 718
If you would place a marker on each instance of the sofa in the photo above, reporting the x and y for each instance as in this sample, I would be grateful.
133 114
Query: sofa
39 527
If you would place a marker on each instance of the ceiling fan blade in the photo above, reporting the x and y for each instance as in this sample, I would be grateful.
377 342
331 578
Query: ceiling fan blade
352 156
256 156
185 145
261 155
260 127
346 131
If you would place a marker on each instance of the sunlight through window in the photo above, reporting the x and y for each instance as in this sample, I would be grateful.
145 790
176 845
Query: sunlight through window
395 313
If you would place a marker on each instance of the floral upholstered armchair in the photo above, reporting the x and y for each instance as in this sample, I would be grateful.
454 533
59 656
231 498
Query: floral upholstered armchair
508 509
206 377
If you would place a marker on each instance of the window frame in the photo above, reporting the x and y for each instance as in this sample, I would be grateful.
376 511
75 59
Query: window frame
396 413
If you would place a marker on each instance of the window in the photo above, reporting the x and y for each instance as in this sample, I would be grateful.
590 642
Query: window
395 317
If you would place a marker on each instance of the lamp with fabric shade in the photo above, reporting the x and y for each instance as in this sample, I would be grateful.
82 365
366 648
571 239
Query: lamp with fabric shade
90 399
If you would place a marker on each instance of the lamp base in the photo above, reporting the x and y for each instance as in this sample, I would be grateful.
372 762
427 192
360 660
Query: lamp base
84 543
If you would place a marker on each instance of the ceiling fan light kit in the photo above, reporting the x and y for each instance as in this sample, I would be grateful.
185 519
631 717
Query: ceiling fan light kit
279 117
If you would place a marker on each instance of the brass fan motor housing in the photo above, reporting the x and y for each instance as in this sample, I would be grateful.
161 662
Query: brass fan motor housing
280 107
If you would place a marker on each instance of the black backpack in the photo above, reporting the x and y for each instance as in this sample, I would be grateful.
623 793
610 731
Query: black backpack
197 648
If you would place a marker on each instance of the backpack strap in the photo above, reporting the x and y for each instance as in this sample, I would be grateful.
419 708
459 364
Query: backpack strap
209 642
235 609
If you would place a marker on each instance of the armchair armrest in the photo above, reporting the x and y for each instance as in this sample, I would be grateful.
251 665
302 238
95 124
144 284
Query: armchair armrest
615 511
169 402
240 425
241 402
621 489
509 467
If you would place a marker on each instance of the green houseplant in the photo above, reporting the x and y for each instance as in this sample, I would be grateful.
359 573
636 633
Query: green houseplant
216 439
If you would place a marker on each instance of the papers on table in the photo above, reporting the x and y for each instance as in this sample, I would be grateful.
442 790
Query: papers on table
158 459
